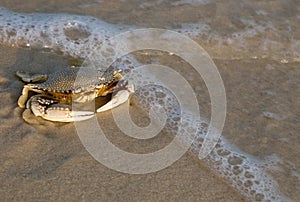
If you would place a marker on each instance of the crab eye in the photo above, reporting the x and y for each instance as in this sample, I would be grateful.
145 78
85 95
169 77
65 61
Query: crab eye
117 75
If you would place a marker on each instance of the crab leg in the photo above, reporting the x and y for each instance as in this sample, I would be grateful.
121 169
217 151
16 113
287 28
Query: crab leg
119 98
23 98
28 78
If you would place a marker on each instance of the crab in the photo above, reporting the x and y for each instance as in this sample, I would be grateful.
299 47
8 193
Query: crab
56 93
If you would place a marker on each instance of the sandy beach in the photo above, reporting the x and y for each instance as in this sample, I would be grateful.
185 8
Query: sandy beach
45 161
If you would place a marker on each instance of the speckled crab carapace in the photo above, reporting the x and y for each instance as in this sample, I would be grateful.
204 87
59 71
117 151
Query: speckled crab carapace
54 97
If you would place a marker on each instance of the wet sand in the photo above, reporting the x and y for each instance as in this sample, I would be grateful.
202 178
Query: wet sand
42 160
46 161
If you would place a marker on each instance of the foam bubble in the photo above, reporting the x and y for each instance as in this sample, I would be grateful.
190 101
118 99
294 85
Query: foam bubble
194 29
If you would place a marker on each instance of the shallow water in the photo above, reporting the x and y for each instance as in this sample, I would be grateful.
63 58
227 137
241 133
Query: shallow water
256 49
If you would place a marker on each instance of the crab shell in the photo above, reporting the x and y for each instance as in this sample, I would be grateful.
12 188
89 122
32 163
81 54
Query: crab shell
77 85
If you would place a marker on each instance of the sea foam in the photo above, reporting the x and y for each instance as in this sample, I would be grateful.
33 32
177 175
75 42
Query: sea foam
73 35
244 172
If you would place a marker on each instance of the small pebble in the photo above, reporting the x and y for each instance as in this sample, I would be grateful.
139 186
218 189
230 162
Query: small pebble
274 116
284 61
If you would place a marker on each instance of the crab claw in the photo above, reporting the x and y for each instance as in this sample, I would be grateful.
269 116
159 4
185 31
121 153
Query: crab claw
119 98
65 115
52 111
